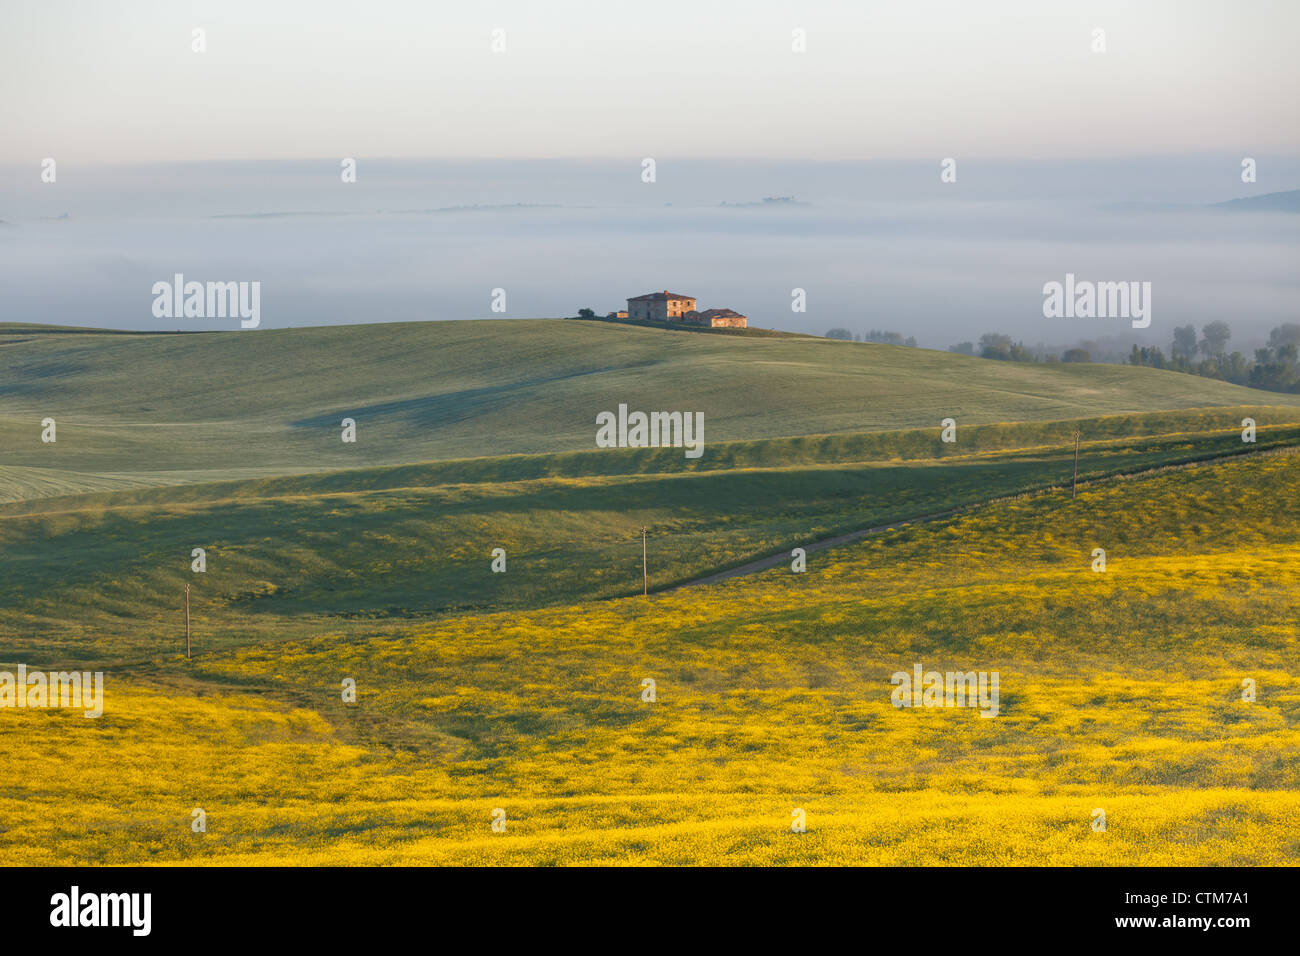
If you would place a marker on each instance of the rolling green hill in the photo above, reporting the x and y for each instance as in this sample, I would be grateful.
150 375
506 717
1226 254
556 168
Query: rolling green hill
100 575
155 409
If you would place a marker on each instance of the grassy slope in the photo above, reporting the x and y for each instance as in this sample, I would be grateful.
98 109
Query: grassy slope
99 576
1119 691
136 409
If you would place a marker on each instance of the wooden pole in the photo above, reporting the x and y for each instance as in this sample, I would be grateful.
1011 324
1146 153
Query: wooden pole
645 572
187 622
1075 483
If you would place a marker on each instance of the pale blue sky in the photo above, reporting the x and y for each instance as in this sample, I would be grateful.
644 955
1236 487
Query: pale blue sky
107 82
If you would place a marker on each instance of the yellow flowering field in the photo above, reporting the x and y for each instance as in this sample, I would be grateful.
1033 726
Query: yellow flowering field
1124 732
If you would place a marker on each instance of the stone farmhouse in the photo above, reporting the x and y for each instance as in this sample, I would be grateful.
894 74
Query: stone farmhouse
670 307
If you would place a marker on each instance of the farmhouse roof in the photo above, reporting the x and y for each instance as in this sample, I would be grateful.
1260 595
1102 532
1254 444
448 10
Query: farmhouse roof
721 313
658 296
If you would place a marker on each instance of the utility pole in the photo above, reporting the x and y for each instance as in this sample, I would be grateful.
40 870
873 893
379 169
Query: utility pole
1075 483
187 622
645 573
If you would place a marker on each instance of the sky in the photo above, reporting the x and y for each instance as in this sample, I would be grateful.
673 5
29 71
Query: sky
97 81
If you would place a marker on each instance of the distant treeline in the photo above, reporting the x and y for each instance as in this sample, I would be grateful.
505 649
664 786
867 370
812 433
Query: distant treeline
875 335
1274 367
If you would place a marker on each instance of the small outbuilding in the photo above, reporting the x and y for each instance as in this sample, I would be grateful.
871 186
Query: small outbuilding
717 319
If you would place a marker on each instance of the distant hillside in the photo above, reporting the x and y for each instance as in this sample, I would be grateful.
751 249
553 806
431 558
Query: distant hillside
156 409
1269 202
